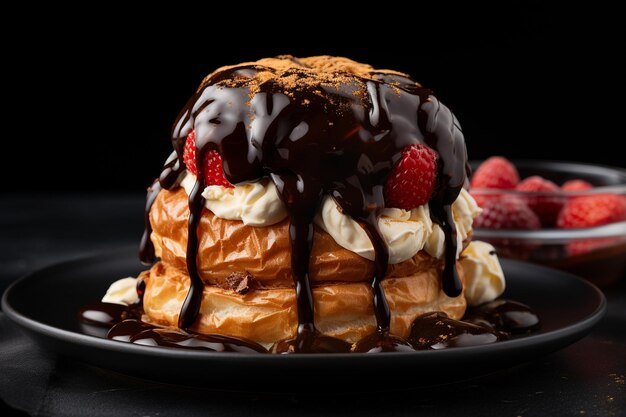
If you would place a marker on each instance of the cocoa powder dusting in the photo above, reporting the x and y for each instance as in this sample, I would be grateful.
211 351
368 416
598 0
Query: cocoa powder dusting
298 74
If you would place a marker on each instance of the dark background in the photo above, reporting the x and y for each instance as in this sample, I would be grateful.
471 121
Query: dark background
94 98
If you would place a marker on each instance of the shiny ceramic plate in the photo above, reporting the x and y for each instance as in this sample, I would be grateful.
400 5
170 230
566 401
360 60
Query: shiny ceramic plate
46 304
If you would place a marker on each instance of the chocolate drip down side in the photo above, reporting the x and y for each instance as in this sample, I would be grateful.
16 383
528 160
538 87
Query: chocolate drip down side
170 178
442 132
146 247
381 307
191 305
316 133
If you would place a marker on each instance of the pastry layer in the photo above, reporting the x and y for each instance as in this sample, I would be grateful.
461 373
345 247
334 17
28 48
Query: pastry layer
343 310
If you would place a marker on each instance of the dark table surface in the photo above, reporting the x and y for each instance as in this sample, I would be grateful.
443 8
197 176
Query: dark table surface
584 379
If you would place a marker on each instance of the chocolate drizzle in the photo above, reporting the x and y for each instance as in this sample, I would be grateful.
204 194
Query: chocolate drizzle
146 248
170 177
442 132
191 305
489 323
315 126
504 315
138 332
434 331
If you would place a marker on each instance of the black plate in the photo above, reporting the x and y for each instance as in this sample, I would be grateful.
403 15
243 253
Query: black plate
45 304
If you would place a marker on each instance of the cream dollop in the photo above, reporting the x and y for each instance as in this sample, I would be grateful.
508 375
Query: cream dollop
464 211
406 232
122 291
484 279
255 203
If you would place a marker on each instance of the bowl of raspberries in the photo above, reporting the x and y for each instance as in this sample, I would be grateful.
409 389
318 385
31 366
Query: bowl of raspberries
567 215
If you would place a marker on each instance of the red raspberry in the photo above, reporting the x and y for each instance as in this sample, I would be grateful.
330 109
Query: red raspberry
189 155
547 208
482 198
576 185
593 210
507 213
412 181
213 168
495 172
581 246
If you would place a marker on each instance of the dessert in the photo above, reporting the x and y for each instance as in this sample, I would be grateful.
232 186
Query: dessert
311 205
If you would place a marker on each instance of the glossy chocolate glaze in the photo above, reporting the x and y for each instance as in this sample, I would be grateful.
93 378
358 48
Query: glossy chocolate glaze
107 315
125 325
504 315
170 177
489 323
140 333
433 331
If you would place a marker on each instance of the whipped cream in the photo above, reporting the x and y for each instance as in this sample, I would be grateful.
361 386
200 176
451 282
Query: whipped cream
484 279
464 211
254 203
405 231
122 291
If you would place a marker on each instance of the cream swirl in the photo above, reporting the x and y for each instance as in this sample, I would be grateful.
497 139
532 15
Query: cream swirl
484 279
464 211
122 291
406 232
255 203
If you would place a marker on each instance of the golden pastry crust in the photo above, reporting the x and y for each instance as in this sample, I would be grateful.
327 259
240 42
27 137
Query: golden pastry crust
267 312
229 246
343 310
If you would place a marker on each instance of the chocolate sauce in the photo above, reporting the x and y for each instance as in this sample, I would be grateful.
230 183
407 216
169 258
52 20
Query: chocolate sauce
146 248
492 322
310 340
339 135
125 325
191 305
504 315
141 289
382 341
137 332
170 177
488 323
108 314
433 331
126 330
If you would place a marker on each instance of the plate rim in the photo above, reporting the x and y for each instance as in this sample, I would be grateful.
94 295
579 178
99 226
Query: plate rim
580 328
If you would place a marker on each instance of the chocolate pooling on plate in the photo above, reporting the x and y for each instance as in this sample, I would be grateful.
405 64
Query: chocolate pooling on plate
489 323
315 126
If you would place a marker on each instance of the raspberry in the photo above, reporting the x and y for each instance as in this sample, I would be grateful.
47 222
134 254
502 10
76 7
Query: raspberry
593 210
582 246
507 213
547 208
412 180
213 168
189 155
495 172
481 199
576 185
